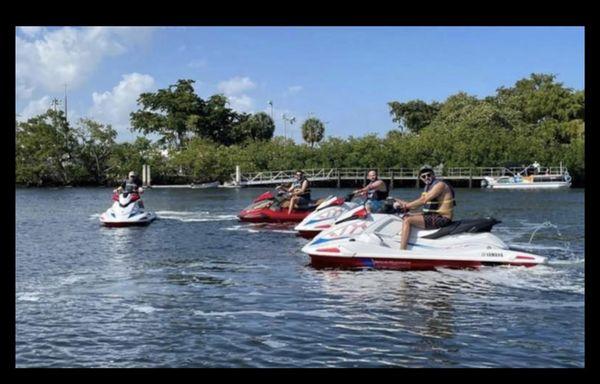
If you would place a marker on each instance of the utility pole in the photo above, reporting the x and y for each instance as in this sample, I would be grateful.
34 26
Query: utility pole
66 103
271 104
286 119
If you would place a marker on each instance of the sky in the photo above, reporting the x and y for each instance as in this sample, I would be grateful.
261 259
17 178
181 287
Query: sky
344 76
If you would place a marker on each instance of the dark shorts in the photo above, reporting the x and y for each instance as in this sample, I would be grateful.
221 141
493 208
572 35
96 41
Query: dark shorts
303 201
434 220
376 205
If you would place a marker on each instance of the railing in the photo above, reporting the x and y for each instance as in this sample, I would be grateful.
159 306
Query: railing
266 177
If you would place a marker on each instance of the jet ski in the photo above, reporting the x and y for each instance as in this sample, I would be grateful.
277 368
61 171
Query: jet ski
324 216
334 208
127 210
272 207
362 240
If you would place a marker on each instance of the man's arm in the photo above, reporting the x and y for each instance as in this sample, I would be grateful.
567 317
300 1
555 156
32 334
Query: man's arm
302 189
374 185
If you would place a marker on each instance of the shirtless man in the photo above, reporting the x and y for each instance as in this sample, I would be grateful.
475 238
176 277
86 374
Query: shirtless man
438 205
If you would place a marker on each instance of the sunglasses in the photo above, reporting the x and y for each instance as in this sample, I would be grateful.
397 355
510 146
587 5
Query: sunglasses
426 175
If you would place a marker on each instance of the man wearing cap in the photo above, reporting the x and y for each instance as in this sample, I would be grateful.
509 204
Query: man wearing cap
131 184
438 204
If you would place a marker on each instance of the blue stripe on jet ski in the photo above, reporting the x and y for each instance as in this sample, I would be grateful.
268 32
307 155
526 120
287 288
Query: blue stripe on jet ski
319 241
316 220
420 245
367 262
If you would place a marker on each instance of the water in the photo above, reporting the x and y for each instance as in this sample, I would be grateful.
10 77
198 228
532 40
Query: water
196 288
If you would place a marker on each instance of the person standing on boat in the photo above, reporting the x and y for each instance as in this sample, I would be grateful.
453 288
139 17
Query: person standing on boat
376 192
300 191
438 204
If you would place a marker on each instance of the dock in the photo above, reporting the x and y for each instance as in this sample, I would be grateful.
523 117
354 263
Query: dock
399 175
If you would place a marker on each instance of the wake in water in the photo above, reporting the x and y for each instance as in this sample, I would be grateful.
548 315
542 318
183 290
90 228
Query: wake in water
191 216
541 278
185 216
264 227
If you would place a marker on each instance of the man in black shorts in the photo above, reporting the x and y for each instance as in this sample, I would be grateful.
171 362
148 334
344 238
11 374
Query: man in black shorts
438 204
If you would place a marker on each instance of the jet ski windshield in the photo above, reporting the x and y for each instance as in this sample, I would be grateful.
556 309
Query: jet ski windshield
259 205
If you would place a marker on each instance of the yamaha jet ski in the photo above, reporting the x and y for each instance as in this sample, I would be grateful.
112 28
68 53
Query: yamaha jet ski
127 210
362 240
273 208
325 215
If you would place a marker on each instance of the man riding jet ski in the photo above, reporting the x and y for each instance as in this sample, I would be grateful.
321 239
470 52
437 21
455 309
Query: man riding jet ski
373 196
375 192
291 204
363 240
128 208
359 239
438 204
325 215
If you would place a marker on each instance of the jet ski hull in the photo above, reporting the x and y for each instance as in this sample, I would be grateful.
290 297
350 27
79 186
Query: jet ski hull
138 220
405 264
374 242
127 210
270 216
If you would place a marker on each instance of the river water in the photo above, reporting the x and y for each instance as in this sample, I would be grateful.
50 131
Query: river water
197 288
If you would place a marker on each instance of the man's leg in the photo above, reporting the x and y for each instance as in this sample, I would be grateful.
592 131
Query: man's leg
417 221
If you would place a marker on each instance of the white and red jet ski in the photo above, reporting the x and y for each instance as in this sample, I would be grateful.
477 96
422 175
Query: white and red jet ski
127 210
362 240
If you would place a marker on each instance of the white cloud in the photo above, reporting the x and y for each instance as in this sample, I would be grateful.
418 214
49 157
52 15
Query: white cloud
52 58
243 103
35 107
234 89
236 86
113 107
294 89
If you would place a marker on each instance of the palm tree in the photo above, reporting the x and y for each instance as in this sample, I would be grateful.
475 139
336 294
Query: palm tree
313 131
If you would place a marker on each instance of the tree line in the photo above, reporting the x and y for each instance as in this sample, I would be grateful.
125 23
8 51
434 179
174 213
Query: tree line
536 119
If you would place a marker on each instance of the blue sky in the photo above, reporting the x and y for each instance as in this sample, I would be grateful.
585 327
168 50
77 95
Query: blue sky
343 75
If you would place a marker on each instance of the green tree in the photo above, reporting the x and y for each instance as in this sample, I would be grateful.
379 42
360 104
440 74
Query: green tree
127 157
220 123
46 149
259 126
539 97
97 145
312 130
172 113
413 115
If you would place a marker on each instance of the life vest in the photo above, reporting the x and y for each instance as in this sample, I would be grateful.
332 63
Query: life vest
376 194
434 206
131 186
297 184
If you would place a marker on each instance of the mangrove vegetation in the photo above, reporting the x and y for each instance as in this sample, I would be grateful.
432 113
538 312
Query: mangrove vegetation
536 119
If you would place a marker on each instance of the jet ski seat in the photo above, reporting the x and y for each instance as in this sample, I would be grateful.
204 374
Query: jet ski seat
311 205
464 226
